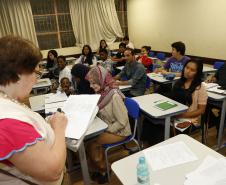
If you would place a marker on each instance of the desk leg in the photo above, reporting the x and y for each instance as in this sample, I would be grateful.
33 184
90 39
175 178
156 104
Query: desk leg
84 166
139 129
221 127
167 127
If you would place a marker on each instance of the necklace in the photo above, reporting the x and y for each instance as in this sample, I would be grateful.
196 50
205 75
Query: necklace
5 96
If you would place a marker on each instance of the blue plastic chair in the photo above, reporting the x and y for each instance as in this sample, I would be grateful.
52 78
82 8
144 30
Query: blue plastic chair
151 54
134 112
218 64
161 56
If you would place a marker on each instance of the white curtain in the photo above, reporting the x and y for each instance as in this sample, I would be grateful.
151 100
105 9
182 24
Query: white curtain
16 19
93 20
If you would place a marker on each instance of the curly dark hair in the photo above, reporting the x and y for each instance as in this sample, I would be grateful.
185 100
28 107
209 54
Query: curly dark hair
17 56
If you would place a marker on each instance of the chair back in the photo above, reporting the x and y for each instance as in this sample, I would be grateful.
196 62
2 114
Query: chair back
133 111
161 56
218 64
151 54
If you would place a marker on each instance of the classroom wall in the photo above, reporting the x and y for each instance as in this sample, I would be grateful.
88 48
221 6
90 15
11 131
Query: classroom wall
200 24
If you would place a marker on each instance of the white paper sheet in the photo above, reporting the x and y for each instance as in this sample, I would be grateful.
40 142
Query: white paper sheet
79 109
209 174
169 155
52 107
58 97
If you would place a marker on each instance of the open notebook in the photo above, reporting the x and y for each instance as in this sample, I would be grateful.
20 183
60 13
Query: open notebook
80 111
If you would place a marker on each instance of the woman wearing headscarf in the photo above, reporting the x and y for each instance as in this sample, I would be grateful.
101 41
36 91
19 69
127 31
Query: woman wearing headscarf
112 111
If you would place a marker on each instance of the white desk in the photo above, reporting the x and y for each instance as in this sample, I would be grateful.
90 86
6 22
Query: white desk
37 103
125 87
94 129
158 78
44 83
219 98
147 105
125 169
208 69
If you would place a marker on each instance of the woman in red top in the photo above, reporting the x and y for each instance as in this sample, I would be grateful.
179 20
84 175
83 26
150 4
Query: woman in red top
144 59
31 150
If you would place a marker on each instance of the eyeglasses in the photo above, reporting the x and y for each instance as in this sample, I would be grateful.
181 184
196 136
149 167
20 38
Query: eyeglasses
38 74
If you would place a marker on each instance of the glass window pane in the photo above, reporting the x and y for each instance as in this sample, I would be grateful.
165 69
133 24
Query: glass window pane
64 22
40 7
48 41
62 6
67 39
45 24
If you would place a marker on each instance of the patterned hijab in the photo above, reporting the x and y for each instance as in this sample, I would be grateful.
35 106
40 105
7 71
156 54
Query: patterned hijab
102 77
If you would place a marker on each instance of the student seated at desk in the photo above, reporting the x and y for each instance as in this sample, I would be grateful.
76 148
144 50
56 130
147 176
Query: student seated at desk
87 57
135 74
128 43
64 69
104 61
79 72
144 59
219 77
103 45
51 65
175 63
119 58
112 111
190 91
65 86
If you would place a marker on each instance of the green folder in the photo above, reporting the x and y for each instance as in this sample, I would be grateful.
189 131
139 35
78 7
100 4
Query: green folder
165 105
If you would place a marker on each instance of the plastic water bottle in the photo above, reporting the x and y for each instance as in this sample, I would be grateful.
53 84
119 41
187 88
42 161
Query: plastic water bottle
142 172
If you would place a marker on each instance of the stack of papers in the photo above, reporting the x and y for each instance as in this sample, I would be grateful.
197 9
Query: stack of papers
212 171
80 111
54 101
169 155
209 85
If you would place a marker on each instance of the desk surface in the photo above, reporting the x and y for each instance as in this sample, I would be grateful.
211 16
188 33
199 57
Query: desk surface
175 175
216 96
208 69
160 79
44 82
147 104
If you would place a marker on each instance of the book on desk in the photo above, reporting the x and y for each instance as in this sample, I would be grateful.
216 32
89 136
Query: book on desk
165 105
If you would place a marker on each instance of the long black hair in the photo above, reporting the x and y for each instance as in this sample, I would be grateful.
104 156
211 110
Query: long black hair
183 95
100 47
89 57
50 63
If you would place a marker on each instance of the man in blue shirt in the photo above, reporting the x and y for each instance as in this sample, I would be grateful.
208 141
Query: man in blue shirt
176 63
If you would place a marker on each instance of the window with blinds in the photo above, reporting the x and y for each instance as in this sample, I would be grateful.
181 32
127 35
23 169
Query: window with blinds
52 23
